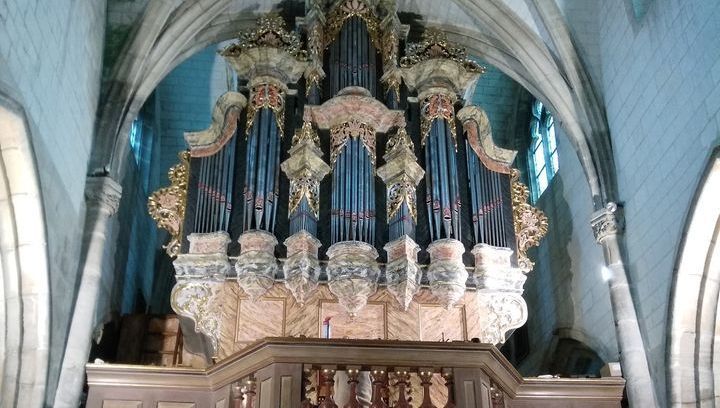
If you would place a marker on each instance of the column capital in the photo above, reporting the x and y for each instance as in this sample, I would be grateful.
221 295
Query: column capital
103 193
607 222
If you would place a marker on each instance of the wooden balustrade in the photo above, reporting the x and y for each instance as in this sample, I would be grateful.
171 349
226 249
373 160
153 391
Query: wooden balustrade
327 373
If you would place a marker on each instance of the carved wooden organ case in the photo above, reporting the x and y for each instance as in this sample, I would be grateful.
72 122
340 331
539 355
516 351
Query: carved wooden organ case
348 172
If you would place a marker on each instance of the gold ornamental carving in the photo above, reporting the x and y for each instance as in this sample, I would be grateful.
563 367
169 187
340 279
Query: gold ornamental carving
435 44
437 106
167 205
530 223
270 32
306 186
305 169
339 135
403 191
349 9
266 96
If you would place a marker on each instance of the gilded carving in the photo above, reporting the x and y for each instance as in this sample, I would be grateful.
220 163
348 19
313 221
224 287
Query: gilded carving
266 96
196 300
401 174
305 185
167 205
437 106
305 169
402 191
530 223
270 32
315 45
353 129
435 44
346 10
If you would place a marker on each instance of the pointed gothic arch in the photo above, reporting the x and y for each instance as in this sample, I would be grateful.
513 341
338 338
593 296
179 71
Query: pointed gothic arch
24 275
693 359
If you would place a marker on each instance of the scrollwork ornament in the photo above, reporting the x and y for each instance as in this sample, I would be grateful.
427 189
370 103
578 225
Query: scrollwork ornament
530 223
403 191
166 206
305 186
196 300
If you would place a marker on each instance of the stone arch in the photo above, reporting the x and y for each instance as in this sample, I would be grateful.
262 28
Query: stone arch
24 275
169 32
693 358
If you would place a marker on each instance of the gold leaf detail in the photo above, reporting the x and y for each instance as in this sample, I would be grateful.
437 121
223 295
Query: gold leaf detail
530 223
167 205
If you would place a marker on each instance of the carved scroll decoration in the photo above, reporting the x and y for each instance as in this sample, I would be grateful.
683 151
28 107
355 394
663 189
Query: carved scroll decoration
530 223
479 135
166 206
266 96
270 32
195 299
354 129
224 123
436 45
346 10
437 106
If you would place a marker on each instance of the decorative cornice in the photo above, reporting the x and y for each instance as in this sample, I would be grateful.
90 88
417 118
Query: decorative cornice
224 123
479 135
607 222
103 193
354 103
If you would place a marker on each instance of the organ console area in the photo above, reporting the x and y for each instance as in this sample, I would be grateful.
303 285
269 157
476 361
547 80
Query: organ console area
346 233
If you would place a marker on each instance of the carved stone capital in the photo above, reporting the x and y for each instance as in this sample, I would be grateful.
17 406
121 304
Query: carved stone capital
207 258
197 299
500 312
353 273
446 272
402 273
256 265
302 268
103 193
607 222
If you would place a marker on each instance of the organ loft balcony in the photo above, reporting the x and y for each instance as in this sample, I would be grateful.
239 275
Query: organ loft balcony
346 233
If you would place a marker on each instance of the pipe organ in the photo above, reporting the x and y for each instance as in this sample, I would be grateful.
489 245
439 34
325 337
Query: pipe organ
311 182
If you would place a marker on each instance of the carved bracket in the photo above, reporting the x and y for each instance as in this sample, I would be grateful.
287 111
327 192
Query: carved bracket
197 299
224 123
500 312
479 135
167 205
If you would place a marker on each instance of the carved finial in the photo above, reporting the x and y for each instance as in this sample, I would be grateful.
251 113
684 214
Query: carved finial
399 140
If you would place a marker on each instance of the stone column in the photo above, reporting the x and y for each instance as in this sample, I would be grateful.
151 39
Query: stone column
608 227
102 195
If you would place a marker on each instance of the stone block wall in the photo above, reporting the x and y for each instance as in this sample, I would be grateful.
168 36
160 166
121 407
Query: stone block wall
51 59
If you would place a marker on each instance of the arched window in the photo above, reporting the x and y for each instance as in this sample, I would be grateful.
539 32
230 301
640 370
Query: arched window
542 157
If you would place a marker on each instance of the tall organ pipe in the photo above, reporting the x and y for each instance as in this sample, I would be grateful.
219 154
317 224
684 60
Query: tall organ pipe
353 57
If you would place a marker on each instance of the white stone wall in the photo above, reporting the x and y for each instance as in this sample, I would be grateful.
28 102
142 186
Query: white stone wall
498 94
51 58
566 289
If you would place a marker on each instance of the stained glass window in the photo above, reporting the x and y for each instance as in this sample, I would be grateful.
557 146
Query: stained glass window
542 157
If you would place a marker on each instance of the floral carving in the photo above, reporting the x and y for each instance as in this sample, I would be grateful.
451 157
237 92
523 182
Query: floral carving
530 223
354 129
346 10
270 32
266 96
436 45
305 185
437 106
196 300
167 205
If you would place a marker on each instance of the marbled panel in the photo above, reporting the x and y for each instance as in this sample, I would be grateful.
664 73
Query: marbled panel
440 324
368 324
264 317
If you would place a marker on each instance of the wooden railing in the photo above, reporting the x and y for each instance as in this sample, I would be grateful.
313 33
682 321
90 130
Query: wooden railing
325 373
